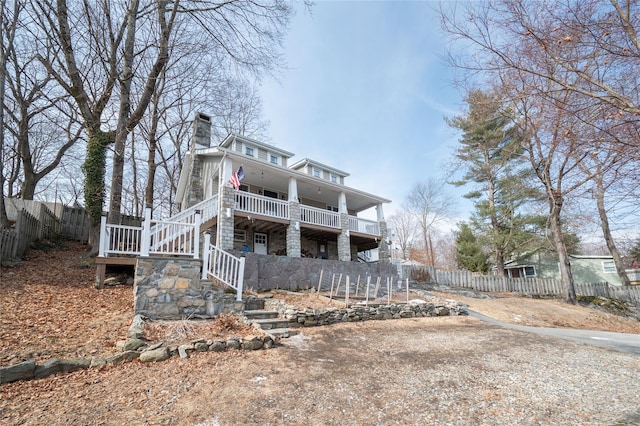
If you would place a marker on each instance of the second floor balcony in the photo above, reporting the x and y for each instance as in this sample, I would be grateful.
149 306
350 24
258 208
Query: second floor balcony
267 208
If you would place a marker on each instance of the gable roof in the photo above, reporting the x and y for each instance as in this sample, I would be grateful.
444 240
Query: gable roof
306 161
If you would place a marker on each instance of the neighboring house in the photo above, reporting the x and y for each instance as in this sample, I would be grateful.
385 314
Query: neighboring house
585 268
303 209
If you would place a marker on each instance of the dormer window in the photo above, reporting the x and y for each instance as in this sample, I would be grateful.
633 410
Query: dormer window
316 172
274 159
248 151
334 178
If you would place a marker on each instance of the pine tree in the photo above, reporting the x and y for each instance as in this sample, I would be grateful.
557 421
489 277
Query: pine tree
469 254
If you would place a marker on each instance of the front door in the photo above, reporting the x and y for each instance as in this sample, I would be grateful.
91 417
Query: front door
260 243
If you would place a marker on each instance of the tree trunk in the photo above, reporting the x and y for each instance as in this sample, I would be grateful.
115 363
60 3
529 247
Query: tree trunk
555 207
4 220
606 231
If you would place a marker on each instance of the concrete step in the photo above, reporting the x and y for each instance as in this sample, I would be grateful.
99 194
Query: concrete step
271 323
254 304
282 333
260 314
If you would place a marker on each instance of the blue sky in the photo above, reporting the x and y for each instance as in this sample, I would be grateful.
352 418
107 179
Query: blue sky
366 91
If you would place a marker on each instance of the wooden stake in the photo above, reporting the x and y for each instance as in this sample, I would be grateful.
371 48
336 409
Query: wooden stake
388 290
375 294
346 293
368 281
320 281
338 286
357 285
333 278
407 290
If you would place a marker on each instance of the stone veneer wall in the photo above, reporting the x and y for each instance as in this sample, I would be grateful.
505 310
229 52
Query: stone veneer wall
171 289
264 272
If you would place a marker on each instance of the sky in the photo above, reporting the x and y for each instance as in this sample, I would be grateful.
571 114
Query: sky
366 90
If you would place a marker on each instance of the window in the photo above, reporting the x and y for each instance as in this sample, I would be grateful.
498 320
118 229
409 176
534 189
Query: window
249 151
334 178
529 271
239 235
274 159
332 208
316 172
608 267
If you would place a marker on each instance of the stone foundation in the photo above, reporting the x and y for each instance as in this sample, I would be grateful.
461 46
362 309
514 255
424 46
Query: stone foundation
171 289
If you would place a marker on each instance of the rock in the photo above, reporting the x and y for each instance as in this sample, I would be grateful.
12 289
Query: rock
47 369
136 329
202 347
182 352
233 344
122 357
22 371
251 343
217 346
133 344
159 354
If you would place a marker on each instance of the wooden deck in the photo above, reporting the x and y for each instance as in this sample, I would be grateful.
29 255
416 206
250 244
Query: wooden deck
101 266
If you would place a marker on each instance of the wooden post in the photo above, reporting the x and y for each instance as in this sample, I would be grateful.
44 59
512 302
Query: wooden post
196 235
367 299
103 236
338 286
146 233
320 281
333 278
389 289
357 285
346 293
407 290
375 293
205 255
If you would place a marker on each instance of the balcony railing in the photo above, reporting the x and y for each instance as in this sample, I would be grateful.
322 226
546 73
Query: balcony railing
258 204
363 226
316 216
247 202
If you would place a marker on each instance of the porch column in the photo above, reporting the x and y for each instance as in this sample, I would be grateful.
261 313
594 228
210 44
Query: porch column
344 238
293 230
383 248
224 234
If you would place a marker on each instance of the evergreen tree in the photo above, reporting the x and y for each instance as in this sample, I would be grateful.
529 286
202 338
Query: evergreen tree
491 154
469 254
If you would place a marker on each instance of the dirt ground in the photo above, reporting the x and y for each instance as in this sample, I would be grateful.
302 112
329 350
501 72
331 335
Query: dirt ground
49 308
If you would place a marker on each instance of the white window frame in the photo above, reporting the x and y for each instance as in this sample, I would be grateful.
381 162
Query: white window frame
333 178
249 151
609 267
240 235
274 159
526 275
316 172
332 208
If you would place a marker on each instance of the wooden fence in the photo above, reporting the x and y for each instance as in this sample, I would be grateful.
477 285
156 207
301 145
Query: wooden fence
529 286
16 241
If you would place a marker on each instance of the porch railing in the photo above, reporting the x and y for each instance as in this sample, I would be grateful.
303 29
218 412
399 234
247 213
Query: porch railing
316 216
222 266
165 237
258 204
363 226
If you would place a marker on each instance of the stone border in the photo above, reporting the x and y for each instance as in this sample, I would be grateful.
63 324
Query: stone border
134 348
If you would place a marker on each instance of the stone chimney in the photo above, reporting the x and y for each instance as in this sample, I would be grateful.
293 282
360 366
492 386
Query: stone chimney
201 131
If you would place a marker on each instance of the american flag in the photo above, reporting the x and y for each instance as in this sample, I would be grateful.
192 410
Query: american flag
236 177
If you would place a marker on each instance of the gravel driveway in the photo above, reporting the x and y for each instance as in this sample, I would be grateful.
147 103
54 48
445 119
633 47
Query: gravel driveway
424 371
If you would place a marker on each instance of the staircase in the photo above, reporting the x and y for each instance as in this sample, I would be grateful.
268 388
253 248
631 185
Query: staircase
268 321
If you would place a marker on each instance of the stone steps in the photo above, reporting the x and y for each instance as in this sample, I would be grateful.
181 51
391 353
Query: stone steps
271 323
260 314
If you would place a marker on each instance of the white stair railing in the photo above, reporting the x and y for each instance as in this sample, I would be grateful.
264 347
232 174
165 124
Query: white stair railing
167 231
222 266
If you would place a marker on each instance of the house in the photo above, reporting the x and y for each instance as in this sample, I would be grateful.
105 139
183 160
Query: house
281 207
545 265
250 219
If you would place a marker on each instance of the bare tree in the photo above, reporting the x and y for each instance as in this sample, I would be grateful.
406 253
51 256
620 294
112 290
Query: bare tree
430 205
403 229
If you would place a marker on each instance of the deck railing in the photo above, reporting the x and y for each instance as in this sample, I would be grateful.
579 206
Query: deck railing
258 204
363 226
222 266
316 216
